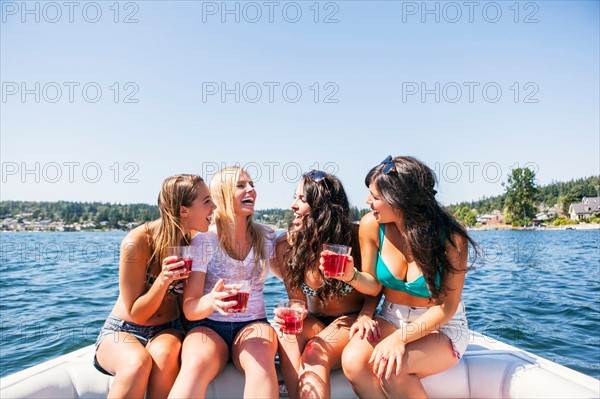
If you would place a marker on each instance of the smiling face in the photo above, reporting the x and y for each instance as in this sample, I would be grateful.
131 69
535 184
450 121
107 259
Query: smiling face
382 211
244 196
300 207
198 215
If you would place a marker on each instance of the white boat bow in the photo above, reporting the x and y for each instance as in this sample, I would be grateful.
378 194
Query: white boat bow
489 369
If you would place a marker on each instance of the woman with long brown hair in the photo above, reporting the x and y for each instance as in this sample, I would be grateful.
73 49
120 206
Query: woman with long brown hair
140 341
335 310
415 252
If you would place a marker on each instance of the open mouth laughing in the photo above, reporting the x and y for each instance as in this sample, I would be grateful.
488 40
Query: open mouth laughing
248 201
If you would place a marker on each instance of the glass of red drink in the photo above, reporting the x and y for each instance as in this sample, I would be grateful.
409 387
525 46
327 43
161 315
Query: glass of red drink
184 254
293 312
241 297
335 259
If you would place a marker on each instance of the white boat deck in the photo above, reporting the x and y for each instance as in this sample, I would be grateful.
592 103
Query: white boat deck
489 369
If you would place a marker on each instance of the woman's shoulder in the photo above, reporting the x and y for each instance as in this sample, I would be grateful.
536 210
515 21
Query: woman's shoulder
369 227
282 241
454 241
268 232
137 243
141 235
208 236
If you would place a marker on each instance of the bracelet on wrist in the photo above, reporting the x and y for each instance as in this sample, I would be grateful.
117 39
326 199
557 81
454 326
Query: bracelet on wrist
354 278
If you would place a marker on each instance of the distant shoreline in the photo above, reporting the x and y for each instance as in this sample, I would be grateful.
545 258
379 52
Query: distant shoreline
503 227
586 226
271 226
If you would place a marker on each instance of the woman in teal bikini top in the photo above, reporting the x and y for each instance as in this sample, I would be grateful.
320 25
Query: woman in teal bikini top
417 287
422 239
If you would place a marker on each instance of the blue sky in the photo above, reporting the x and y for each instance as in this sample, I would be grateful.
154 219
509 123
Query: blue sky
103 100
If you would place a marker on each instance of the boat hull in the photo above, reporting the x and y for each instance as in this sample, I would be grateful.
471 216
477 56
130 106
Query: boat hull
489 369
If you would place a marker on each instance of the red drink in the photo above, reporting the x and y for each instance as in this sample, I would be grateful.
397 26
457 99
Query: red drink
334 265
242 302
293 322
187 264
292 312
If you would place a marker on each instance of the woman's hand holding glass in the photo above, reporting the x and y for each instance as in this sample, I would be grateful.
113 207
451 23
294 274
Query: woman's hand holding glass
220 292
348 273
173 269
281 318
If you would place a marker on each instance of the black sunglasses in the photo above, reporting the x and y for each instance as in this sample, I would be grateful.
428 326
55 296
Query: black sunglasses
389 166
315 175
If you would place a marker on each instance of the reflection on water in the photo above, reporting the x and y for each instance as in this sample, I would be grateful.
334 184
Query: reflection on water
537 290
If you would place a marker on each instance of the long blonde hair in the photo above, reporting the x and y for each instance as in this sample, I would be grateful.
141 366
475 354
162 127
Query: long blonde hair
176 191
222 189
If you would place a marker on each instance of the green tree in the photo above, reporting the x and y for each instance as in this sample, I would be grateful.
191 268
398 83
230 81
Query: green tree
520 196
568 199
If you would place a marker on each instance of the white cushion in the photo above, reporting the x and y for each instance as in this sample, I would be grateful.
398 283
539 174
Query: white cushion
479 374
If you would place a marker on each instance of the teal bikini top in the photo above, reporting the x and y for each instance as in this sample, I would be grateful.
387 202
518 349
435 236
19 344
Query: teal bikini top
418 287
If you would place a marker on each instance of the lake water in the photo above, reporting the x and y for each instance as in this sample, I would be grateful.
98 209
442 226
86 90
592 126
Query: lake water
537 290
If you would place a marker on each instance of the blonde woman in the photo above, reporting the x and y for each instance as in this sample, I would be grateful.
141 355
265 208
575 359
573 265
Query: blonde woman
235 247
140 341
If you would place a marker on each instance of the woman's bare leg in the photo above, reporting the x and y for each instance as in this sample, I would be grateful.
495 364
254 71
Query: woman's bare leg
322 354
165 349
203 356
253 351
122 355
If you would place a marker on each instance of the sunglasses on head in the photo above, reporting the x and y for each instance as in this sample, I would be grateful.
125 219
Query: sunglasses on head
388 165
315 175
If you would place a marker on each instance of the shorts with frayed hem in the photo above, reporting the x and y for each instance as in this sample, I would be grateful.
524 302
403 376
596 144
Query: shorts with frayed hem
457 329
143 334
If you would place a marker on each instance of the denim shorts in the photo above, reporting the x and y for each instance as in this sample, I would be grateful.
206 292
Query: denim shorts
227 330
457 329
143 334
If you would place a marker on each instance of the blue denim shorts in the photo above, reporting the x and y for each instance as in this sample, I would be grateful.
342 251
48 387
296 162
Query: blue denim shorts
227 330
143 334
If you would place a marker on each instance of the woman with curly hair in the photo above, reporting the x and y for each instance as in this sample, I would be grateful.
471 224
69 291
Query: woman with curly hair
415 252
322 215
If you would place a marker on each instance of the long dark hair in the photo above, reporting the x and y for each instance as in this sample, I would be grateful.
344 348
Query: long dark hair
329 221
408 186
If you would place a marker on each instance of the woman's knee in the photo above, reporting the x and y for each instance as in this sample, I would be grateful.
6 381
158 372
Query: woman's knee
315 353
138 363
166 353
355 358
201 351
264 355
198 359
256 356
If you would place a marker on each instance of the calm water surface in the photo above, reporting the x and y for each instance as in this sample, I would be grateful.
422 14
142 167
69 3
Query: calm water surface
537 290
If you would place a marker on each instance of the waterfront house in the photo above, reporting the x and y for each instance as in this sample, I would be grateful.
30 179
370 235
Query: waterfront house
584 210
491 218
